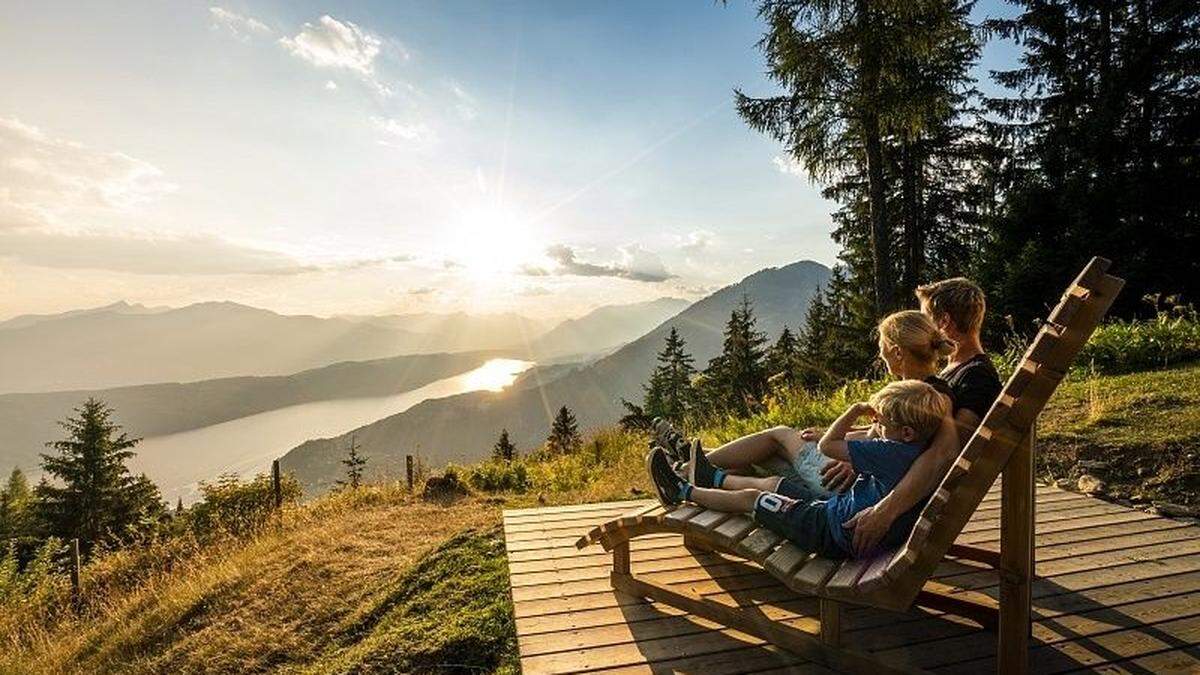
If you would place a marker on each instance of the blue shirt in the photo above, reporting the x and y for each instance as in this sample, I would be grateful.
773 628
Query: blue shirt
880 464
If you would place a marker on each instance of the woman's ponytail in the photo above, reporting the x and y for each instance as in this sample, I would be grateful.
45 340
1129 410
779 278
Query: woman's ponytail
917 335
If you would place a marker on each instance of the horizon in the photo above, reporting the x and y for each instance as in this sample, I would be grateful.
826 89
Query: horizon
373 159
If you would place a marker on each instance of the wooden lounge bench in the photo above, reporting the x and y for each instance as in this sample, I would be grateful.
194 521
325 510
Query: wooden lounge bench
898 579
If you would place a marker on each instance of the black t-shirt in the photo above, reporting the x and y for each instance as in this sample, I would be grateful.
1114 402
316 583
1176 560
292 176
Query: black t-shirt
975 384
942 387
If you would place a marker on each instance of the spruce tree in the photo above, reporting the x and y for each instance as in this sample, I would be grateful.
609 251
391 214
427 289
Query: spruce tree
669 393
93 496
564 433
504 450
783 355
15 507
355 466
737 379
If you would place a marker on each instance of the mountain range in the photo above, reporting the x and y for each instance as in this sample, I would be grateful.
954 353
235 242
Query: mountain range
126 344
464 427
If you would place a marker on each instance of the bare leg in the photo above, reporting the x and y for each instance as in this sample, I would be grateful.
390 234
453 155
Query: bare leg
737 501
767 484
754 449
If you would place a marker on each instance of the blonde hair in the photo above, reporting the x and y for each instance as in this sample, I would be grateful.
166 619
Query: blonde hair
911 403
959 298
916 334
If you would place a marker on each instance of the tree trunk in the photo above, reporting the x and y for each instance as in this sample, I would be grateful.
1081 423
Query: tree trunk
914 246
868 81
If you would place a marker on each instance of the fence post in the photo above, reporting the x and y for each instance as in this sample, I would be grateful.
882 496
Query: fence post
75 573
276 485
408 467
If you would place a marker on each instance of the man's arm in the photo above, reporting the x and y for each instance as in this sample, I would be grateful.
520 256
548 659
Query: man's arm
870 525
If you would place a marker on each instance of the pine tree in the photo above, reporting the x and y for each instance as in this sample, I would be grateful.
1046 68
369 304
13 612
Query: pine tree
15 507
504 450
94 496
669 393
783 355
737 379
1101 128
564 433
355 466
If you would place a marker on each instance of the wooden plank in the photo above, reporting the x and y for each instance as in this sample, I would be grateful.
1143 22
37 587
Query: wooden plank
1016 558
730 532
550 511
813 574
785 560
707 520
759 544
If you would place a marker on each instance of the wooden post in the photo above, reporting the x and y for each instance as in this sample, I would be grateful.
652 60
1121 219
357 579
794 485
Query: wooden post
75 569
1016 559
621 558
277 485
831 622
408 468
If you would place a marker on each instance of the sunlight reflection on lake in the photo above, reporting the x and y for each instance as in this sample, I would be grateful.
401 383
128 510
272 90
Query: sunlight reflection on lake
246 446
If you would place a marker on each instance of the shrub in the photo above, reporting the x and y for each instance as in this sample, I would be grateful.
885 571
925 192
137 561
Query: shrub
499 476
1170 338
236 507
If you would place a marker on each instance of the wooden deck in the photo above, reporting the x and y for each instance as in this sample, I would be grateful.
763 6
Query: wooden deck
1117 590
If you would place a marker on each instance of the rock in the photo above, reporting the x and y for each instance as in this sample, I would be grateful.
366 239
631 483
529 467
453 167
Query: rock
1176 510
1089 465
1089 484
636 491
1065 483
1138 498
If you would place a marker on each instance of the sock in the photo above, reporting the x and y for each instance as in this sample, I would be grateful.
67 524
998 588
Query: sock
685 490
718 477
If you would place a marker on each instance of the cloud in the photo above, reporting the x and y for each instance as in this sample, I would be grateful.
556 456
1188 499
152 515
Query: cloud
422 290
464 103
330 43
451 264
636 264
790 166
238 25
697 241
47 181
331 85
534 291
414 131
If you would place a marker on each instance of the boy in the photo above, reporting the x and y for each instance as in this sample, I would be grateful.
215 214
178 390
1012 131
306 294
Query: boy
907 413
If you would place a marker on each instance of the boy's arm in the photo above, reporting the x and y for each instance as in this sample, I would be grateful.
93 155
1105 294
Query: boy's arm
833 443
870 525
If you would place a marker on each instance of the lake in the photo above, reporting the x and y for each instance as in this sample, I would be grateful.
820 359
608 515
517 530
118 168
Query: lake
247 445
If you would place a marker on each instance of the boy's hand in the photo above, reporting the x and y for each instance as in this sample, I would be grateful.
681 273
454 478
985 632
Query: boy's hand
862 408
812 434
837 476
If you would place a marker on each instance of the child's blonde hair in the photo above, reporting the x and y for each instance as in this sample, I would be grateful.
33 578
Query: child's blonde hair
960 299
916 334
911 403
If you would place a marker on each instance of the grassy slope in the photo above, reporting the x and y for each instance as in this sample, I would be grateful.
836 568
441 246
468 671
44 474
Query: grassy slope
379 581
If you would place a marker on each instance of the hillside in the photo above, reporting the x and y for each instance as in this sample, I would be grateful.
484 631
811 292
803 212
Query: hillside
27 421
380 579
463 428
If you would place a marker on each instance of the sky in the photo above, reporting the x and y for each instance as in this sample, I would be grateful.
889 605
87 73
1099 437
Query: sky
386 157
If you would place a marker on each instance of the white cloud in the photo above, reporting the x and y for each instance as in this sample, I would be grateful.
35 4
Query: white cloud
464 102
790 166
51 181
405 131
239 26
330 43
697 241
331 85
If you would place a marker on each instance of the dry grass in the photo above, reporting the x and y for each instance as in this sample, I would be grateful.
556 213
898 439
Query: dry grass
280 602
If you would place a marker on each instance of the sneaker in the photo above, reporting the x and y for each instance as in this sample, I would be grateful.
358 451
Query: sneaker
667 484
670 440
701 472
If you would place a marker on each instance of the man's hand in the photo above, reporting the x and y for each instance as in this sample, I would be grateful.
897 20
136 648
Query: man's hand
837 476
869 525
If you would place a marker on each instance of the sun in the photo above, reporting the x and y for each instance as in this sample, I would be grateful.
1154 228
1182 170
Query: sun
490 242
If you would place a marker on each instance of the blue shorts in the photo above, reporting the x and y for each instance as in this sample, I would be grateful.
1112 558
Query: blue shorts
804 523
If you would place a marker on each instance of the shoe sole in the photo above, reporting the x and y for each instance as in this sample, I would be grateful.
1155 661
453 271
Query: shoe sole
692 464
657 488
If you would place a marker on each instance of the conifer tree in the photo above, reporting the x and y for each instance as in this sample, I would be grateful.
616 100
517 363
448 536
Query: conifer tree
504 450
564 433
355 466
737 379
669 393
783 355
15 507
94 497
